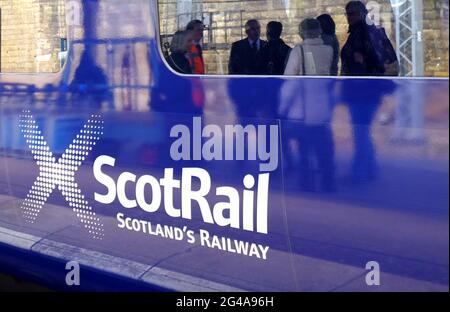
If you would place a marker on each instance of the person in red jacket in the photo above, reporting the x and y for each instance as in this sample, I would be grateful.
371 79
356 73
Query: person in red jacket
196 51
195 57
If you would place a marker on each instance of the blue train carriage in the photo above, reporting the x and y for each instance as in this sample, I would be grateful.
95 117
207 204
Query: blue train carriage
150 179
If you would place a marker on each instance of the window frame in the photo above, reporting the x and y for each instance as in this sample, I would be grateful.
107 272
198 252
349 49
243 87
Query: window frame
228 76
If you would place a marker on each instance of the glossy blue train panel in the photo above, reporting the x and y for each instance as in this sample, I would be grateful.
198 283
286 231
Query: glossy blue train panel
125 173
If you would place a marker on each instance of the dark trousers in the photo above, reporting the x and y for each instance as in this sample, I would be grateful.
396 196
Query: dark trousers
317 157
364 165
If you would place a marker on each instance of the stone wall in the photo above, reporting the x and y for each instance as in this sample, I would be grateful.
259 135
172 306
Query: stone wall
31 32
436 37
31 29
226 19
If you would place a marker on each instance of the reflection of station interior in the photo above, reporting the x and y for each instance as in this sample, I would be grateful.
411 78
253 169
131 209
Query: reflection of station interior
409 214
35 39
420 28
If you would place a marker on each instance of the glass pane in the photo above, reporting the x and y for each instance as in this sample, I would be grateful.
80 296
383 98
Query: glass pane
418 30
33 36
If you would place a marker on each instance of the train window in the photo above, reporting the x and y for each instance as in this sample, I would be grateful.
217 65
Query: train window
416 29
33 36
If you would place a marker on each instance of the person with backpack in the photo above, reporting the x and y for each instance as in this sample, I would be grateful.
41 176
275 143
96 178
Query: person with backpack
367 52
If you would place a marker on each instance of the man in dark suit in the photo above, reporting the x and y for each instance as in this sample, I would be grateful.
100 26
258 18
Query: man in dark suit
249 56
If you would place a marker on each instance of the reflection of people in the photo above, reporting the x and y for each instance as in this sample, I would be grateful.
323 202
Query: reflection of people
278 51
368 51
409 114
249 56
174 93
362 110
196 51
90 79
178 58
358 55
195 57
127 99
312 57
359 58
307 124
329 38
308 111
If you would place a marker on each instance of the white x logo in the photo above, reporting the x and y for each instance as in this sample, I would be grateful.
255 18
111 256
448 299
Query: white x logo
61 173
